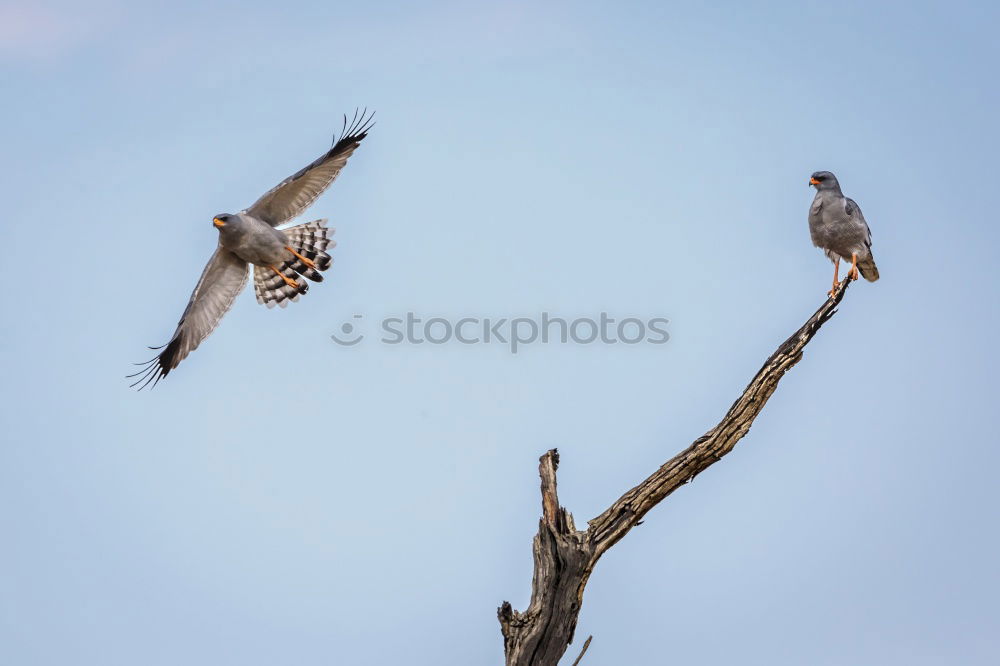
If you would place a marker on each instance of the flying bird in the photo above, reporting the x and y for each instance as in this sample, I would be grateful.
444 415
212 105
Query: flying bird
282 259
839 229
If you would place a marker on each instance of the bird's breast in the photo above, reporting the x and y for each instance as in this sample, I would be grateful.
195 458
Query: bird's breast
257 244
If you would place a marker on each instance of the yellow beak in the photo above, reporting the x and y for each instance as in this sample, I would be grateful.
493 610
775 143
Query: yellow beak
218 223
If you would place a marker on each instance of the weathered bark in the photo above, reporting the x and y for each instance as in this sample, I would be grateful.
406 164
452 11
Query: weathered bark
565 557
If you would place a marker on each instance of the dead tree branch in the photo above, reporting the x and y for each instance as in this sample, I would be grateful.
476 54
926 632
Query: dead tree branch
565 557
586 644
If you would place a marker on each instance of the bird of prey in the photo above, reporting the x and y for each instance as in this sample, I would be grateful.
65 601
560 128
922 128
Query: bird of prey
281 258
839 229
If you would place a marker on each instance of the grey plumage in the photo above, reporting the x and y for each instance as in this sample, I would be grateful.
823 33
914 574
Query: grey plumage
289 198
310 240
281 257
838 227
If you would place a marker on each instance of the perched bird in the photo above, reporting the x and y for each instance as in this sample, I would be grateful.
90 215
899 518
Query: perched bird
280 257
839 229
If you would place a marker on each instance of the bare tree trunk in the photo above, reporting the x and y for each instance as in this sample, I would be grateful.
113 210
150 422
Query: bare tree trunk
565 557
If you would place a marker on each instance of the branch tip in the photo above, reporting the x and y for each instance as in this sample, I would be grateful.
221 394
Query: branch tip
547 466
586 644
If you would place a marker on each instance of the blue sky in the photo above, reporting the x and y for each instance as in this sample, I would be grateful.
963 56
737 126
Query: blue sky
282 499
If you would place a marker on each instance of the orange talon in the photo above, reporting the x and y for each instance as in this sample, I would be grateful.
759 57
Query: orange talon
289 281
836 278
307 262
853 273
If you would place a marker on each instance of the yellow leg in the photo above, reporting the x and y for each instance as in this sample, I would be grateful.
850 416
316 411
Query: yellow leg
836 278
289 281
853 273
305 261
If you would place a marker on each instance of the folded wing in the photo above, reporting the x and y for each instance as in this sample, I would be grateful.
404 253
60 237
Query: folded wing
853 211
220 282
297 192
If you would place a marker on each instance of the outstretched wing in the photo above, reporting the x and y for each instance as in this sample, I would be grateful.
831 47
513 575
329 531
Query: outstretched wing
220 282
297 192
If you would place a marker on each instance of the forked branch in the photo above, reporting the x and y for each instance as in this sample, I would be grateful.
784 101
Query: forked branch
565 557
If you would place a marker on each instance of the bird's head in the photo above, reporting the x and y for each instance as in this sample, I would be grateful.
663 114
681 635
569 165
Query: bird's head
824 180
222 219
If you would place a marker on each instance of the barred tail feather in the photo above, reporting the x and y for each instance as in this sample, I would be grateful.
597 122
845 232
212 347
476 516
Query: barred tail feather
271 290
309 240
311 235
868 269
